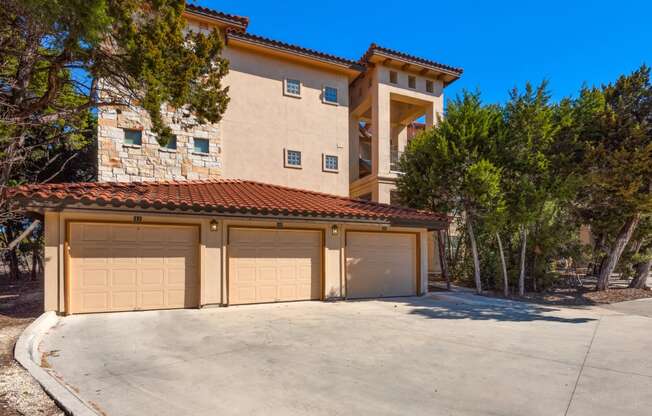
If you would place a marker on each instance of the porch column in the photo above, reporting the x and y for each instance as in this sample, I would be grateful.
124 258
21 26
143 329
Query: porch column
380 130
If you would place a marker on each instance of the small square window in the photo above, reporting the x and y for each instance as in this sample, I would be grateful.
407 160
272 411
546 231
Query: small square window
330 95
412 81
200 145
331 163
292 159
171 144
133 137
293 87
393 77
430 86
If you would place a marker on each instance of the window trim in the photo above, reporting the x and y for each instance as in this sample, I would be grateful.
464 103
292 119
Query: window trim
285 159
323 162
323 95
132 145
197 152
285 88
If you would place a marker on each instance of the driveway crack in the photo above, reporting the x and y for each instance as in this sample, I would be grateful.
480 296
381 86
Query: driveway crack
586 357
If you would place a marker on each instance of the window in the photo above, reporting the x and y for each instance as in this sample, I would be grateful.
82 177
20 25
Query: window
133 137
393 77
412 81
429 86
292 159
330 95
331 163
293 87
200 145
171 144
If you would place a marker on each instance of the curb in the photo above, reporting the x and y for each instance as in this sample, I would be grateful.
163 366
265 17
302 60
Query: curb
27 354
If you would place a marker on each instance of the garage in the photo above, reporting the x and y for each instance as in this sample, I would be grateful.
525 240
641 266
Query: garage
273 265
126 267
381 264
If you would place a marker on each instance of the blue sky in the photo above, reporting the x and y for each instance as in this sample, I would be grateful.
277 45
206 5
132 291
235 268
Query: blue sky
500 44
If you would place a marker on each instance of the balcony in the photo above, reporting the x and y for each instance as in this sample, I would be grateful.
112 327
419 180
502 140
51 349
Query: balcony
394 159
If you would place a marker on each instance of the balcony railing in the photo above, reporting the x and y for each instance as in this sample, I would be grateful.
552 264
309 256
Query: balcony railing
394 159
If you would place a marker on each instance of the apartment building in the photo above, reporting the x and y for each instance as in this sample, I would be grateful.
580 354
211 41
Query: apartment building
285 199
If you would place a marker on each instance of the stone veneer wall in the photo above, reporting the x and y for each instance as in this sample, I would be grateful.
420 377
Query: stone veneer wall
119 162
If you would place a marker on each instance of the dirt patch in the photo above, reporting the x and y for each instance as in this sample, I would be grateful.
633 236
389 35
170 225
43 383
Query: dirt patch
20 394
582 296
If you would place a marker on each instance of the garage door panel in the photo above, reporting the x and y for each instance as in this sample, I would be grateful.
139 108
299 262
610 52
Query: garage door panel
152 299
124 277
115 267
380 264
93 301
285 264
94 278
122 300
92 232
124 234
152 277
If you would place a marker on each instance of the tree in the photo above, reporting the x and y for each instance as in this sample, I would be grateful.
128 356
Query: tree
447 168
616 132
61 59
641 258
530 131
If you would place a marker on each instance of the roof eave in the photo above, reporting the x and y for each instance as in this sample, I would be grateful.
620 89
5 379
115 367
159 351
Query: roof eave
413 62
352 68
31 204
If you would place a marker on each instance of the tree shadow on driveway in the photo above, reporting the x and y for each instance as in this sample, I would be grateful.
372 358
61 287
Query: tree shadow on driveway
434 308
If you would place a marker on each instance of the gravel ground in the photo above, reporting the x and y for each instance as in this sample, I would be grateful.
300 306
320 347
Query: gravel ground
20 394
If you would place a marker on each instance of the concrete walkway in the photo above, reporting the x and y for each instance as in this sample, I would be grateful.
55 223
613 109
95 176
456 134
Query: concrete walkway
446 355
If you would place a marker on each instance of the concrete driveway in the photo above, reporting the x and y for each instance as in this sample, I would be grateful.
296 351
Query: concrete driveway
447 355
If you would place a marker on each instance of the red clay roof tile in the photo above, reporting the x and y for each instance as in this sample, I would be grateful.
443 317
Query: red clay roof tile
219 196
241 21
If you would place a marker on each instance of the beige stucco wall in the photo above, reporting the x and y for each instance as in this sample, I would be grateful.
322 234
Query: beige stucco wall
261 122
213 251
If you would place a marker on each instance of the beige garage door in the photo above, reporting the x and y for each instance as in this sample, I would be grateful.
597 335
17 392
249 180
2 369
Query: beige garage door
269 265
124 267
380 265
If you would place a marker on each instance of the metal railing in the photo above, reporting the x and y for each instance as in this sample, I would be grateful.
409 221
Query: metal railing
394 159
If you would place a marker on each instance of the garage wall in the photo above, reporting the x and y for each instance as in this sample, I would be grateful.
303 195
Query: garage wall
213 253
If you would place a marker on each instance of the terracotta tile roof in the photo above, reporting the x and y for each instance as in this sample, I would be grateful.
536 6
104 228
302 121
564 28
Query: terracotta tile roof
373 48
232 18
228 196
295 49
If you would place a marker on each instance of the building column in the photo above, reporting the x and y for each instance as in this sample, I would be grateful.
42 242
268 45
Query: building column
380 130
431 118
354 148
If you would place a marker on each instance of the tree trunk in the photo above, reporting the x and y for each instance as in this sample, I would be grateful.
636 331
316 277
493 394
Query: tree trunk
642 273
476 259
442 258
521 276
35 255
502 261
616 251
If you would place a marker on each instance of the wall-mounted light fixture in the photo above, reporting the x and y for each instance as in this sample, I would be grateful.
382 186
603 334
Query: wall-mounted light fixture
214 225
334 229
